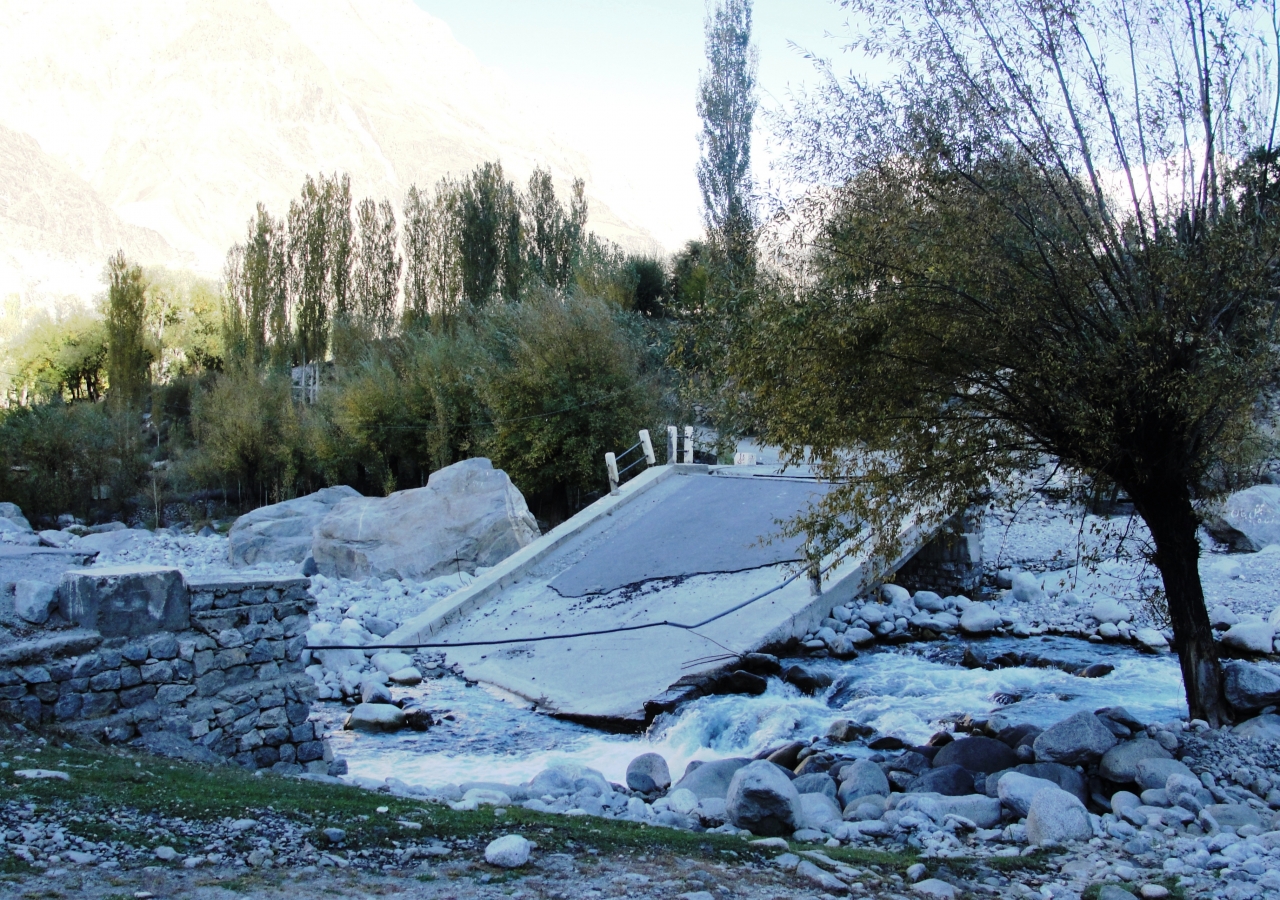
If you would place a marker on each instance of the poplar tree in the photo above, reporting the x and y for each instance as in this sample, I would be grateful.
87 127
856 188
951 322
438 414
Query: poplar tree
490 236
376 280
554 234
128 361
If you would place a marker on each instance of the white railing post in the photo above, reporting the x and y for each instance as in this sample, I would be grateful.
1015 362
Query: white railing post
611 463
673 445
647 446
688 444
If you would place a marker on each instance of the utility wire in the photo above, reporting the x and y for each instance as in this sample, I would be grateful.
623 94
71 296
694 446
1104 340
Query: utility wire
562 637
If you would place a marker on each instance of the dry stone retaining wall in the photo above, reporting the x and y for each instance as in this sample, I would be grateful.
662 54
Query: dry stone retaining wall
202 669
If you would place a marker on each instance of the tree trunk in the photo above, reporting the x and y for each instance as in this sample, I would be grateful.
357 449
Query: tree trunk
1166 508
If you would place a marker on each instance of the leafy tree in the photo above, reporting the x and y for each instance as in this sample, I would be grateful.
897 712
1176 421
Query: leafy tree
320 258
128 360
432 228
489 240
650 292
377 280
1051 232
727 105
554 234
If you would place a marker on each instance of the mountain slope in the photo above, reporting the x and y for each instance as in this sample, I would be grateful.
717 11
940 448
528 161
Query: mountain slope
181 114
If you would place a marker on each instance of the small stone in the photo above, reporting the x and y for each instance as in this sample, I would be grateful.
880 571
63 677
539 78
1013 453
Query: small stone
334 835
1153 891
165 854
1109 611
648 773
508 852
916 871
406 676
42 775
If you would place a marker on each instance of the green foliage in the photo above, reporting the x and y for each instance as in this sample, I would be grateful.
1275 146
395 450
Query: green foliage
727 105
554 235
489 238
255 284
251 440
568 385
376 283
53 359
976 295
320 258
128 358
184 324
433 275
83 458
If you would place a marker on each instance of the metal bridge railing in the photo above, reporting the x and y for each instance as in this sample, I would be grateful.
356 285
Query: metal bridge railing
645 445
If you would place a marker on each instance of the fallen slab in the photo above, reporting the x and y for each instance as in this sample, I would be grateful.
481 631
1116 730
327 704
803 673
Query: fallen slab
678 544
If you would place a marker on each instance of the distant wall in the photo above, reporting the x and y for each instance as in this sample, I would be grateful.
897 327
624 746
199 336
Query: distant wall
209 670
951 563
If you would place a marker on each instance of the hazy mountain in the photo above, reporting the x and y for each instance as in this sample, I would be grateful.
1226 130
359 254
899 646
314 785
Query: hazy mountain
157 124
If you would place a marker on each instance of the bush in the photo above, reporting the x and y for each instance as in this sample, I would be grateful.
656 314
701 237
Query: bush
85 458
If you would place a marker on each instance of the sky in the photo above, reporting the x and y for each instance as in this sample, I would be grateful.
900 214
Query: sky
619 78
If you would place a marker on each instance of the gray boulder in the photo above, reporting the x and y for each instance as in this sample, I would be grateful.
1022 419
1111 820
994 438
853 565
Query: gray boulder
817 810
711 780
1074 741
862 778
980 619
950 781
13 513
983 811
1016 790
1250 686
32 600
1064 777
1248 520
282 532
977 754
647 773
1119 764
1153 774
469 515
1266 728
376 717
125 601
816 783
114 541
1056 817
763 800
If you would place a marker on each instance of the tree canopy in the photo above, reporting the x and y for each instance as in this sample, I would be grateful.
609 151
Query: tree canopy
1050 231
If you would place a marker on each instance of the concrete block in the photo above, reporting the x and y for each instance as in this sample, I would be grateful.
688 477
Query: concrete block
125 601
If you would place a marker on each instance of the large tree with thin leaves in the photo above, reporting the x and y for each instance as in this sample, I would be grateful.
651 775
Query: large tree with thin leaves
1049 229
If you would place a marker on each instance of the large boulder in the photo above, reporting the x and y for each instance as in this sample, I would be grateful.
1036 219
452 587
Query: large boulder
977 754
1064 777
980 619
13 513
282 532
710 781
862 778
817 810
469 515
1248 520
1250 686
1056 817
949 781
1250 637
125 601
647 773
1075 740
1263 728
1016 790
763 800
983 811
1153 774
32 600
1120 763
376 717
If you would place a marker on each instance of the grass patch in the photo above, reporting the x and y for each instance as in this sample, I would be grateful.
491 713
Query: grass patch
1176 892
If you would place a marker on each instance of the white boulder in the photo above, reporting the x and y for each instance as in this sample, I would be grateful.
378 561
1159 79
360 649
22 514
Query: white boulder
1016 790
1110 612
980 619
282 532
1248 520
469 515
1057 817
508 852
376 717
1251 637
1026 588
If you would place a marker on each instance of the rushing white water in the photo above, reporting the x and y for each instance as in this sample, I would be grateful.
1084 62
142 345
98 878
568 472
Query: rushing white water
904 692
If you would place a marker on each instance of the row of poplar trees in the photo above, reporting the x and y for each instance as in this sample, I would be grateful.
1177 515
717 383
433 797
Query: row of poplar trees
323 281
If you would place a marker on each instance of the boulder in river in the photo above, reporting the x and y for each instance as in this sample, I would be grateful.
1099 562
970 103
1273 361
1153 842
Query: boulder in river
977 754
647 773
1076 740
469 515
712 779
762 799
376 717
980 619
1250 637
282 532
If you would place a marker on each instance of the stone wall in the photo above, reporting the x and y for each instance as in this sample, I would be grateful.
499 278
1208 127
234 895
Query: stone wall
208 670
951 563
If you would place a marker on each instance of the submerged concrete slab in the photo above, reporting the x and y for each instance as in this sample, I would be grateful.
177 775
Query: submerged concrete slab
678 544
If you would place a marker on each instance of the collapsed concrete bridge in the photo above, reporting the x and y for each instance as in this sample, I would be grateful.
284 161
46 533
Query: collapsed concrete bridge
679 543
